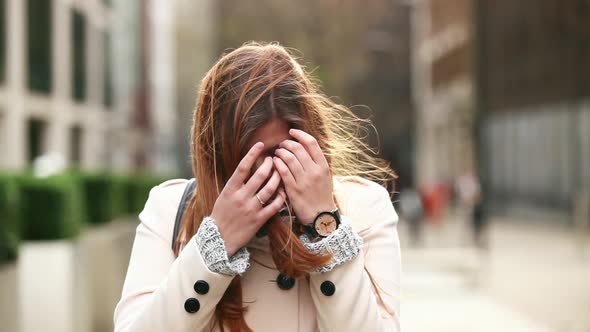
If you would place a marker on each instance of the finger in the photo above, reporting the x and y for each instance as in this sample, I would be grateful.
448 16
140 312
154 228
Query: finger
245 166
272 208
269 189
284 172
291 161
257 179
310 144
300 152
281 192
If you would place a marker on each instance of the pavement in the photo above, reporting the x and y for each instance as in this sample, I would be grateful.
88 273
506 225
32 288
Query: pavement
533 276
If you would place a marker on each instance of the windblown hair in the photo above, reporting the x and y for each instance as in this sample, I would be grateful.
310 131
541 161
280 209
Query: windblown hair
245 89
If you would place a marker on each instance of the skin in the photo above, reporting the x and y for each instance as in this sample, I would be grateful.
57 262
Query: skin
282 165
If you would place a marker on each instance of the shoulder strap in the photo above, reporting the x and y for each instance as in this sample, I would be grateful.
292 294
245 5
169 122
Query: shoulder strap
188 191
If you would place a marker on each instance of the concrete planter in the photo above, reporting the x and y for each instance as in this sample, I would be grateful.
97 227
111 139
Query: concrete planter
51 287
9 299
106 249
72 285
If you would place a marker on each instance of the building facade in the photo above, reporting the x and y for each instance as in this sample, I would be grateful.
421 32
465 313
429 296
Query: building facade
533 84
503 89
442 47
79 79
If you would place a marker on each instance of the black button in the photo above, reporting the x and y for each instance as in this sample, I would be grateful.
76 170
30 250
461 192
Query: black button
327 287
201 287
285 282
192 305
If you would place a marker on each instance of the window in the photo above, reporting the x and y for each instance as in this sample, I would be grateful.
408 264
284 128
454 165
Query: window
78 56
36 131
75 145
2 40
108 76
39 45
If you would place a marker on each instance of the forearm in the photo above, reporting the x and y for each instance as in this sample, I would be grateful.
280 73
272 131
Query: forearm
343 286
176 302
213 250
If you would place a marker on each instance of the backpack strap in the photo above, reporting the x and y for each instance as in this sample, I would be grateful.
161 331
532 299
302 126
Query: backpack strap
188 192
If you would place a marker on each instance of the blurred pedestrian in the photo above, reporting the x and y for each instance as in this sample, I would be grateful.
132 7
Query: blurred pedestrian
412 211
471 198
479 221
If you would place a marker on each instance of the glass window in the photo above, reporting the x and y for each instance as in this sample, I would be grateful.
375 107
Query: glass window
36 133
39 45
108 76
75 145
78 56
2 40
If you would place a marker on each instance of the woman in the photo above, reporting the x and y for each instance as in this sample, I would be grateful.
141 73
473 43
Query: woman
290 227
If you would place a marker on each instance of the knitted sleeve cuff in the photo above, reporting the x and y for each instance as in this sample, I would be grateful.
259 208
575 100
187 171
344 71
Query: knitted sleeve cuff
344 243
212 248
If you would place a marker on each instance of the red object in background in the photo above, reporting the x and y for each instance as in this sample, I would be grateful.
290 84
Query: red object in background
435 198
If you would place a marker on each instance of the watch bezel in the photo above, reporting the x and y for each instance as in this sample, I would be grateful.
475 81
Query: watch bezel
334 213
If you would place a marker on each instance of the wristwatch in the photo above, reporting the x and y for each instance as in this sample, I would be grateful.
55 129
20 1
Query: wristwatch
324 223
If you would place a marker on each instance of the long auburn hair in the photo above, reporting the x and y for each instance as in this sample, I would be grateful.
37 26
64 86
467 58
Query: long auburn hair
243 90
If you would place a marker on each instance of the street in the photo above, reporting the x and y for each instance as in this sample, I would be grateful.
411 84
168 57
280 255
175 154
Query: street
533 278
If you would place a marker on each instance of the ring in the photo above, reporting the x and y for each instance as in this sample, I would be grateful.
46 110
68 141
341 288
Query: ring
260 200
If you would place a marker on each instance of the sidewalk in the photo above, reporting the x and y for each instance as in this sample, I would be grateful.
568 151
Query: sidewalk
533 278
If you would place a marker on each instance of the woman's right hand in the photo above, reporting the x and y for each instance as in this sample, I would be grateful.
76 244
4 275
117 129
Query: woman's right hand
237 212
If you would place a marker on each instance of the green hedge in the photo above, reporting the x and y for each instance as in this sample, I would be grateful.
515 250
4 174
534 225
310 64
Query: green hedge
138 189
8 217
104 197
109 196
120 192
57 207
51 208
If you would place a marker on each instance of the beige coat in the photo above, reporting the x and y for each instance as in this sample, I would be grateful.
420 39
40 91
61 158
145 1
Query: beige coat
157 285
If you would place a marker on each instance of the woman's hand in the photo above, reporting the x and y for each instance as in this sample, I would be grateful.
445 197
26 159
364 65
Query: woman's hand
306 175
237 212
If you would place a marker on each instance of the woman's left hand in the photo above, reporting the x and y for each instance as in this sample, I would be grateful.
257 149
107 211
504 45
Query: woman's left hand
305 174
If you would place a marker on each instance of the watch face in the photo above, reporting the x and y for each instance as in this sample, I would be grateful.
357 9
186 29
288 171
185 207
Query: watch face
325 224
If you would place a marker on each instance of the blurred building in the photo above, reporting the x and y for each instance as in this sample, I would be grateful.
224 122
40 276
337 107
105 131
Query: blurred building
195 42
533 69
89 79
386 85
442 47
360 51
503 88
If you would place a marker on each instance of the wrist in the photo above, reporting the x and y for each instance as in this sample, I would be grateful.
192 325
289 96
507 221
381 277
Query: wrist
344 244
230 250
325 223
215 253
314 212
